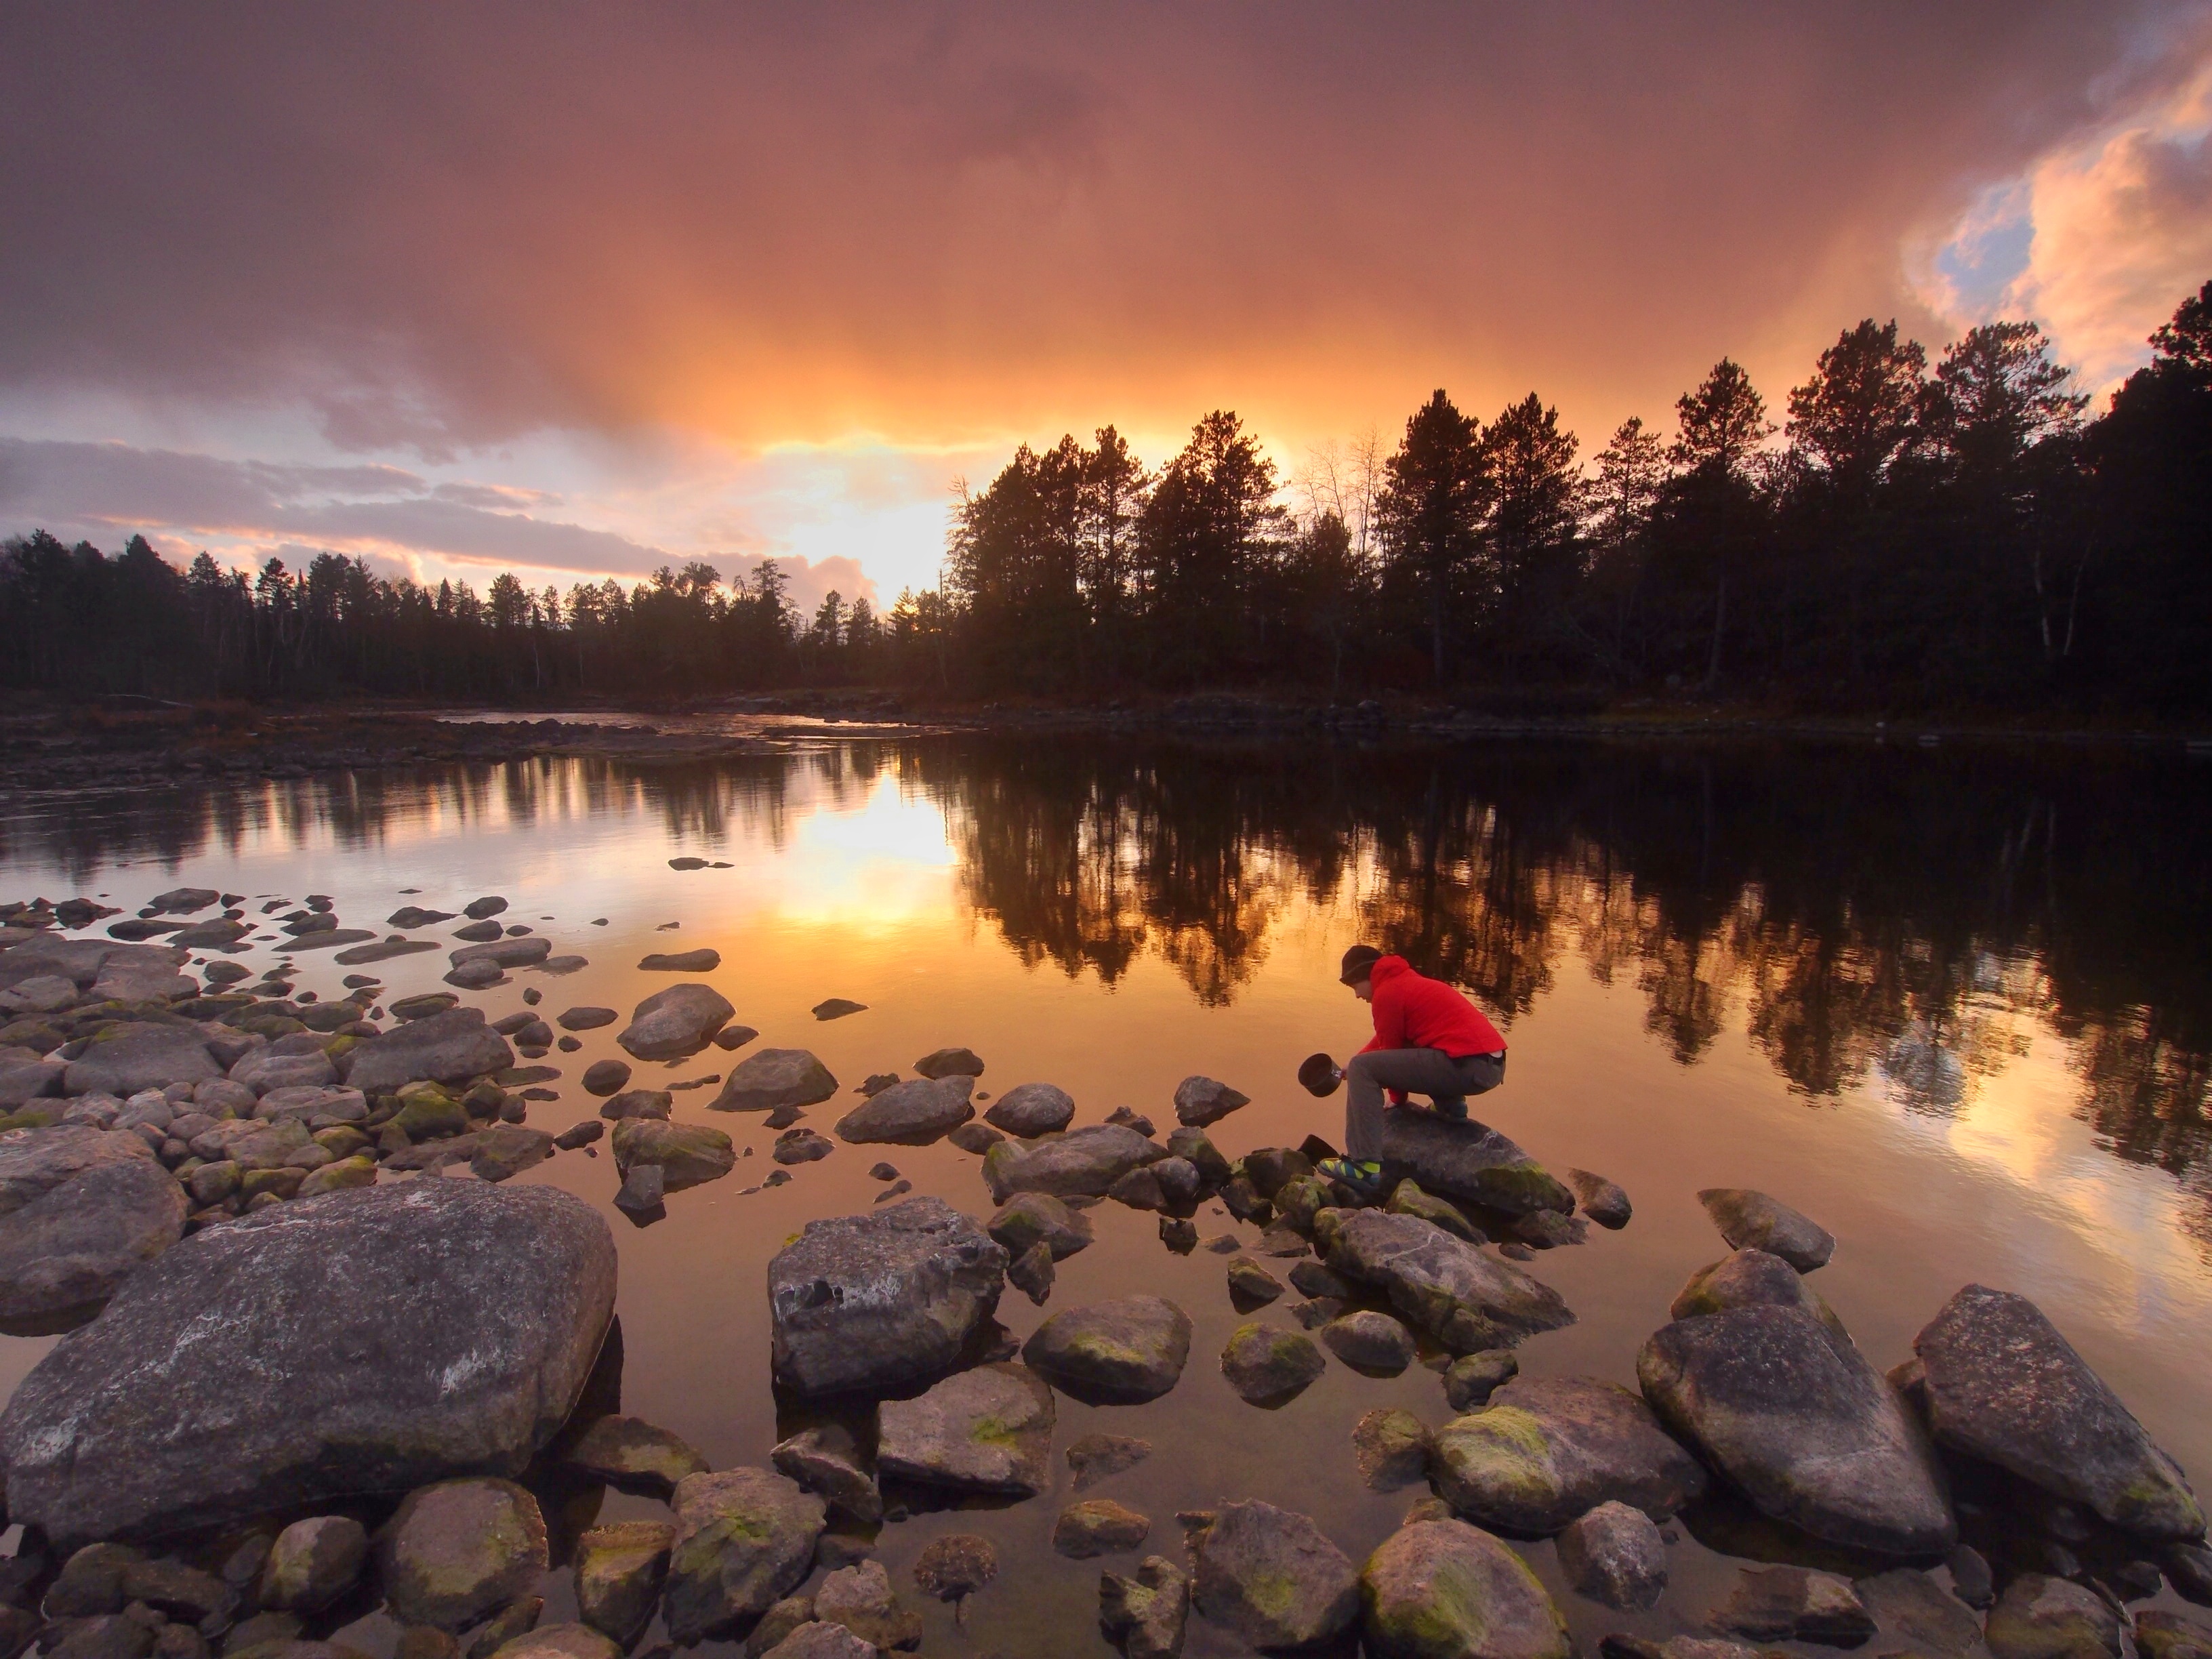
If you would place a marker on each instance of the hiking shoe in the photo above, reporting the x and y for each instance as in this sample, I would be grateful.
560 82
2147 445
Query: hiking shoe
1363 1177
1450 1108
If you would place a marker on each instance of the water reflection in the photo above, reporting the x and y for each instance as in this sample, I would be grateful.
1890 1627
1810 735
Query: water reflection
1903 919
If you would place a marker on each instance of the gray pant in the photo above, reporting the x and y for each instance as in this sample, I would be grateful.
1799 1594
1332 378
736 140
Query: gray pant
1429 1072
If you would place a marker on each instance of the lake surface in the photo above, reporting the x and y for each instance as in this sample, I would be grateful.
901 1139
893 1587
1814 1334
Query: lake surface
1955 1004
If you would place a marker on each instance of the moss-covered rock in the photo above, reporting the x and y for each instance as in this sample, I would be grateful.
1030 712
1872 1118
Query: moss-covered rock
620 1570
1267 1366
457 1550
1131 1349
744 1538
1444 1590
1273 1577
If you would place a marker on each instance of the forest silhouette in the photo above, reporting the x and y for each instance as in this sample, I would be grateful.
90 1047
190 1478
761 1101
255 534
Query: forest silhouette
1905 536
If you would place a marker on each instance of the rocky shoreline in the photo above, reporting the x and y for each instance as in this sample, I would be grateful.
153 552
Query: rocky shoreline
303 1378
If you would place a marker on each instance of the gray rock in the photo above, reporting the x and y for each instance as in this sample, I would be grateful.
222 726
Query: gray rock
2040 1618
1793 1604
1911 1607
1273 1577
985 1430
1545 1449
1469 1162
956 1566
1392 1448
313 1563
1083 1162
489 905
677 1022
744 1538
1601 1201
127 1058
687 1154
602 1078
1794 1416
1444 1590
1250 1284
22 1081
1199 1101
202 1395
1269 1367
509 1149
443 1048
1032 1109
638 1102
861 1598
874 1301
1131 1349
1468 1301
950 1062
587 1018
459 1549
620 1570
504 952
782 1619
910 1114
1369 1342
1031 1274
2004 1385
1614 1555
817 1639
634 1456
1406 1197
1144 1614
801 1147
1751 1220
826 1459
773 1079
296 1061
643 1189
1029 1219
1096 1457
110 1636
1096 1527
1470 1380
182 901
80 1210
1751 1279
701 961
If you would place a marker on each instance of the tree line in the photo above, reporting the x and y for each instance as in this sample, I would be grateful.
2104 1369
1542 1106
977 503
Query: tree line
1906 534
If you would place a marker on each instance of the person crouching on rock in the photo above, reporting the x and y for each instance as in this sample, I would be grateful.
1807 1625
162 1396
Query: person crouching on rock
1428 1039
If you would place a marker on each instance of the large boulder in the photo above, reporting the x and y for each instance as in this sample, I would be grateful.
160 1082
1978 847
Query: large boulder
1468 1161
1083 1162
1273 1577
1131 1349
773 1079
1794 1416
910 1114
81 1209
873 1301
442 1047
672 1024
1545 1449
1444 1590
985 1430
368 1342
1751 1220
2004 1385
1444 1285
128 1057
744 1538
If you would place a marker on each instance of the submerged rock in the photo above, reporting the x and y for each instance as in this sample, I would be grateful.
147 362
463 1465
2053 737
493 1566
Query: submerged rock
1028 1110
873 1301
1795 1417
1793 1604
985 1430
631 1453
744 1538
1466 1300
620 1571
2002 1385
1098 1457
1468 1161
1614 1555
1273 1577
1144 1614
80 1210
1751 1220
774 1080
204 1394
676 1022
910 1114
1444 1590
1547 1449
457 1550
1083 1162
1131 1349
1911 1608
2160 1635
1268 1367
2040 1618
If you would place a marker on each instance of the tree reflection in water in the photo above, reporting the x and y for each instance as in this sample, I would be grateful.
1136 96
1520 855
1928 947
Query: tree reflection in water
1906 919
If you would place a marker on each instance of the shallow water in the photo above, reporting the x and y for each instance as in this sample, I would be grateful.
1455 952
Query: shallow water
1953 1005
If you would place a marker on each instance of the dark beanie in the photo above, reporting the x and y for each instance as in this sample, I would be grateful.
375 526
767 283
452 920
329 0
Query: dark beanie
1358 962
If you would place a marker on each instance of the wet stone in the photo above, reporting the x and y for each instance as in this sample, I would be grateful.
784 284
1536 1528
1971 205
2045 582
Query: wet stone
773 1080
1545 1449
1199 1101
1603 1202
313 1563
455 1551
1751 1220
2044 1618
1032 1219
1272 1578
1028 1110
1436 1588
1912 1608
801 1147
1144 1613
1392 1448
681 962
950 1062
606 1076
619 1571
1096 1527
859 1597
1793 1604
1470 1380
744 1538
1614 1555
827 1460
2162 1635
633 1454
1031 1273
1369 1342
1127 1350
1268 1367
1250 1284
911 1114
985 1430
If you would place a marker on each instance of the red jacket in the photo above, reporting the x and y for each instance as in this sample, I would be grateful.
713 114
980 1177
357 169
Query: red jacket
1414 1012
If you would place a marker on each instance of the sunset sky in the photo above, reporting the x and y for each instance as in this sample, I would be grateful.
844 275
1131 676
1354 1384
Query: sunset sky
581 290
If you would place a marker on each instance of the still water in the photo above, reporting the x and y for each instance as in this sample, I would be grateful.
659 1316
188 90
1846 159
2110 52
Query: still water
1954 1005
